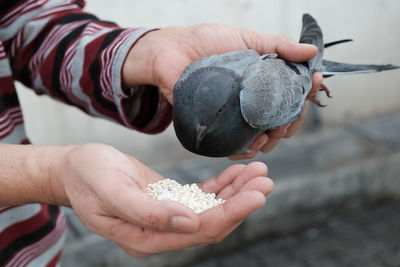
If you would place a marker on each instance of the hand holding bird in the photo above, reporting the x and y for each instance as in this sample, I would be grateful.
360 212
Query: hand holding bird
222 103
167 52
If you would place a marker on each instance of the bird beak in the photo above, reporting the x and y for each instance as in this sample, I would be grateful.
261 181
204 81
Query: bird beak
201 132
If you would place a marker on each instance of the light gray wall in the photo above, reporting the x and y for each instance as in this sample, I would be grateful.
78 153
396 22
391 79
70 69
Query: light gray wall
374 24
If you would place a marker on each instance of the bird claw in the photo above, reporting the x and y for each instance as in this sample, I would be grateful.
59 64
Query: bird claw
326 90
317 102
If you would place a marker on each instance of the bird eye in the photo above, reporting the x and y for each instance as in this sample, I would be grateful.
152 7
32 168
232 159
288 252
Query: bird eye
221 110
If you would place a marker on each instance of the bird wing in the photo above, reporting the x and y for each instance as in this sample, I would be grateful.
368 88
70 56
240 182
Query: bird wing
236 61
311 34
272 94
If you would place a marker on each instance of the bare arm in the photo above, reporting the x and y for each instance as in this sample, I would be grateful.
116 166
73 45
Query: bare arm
25 174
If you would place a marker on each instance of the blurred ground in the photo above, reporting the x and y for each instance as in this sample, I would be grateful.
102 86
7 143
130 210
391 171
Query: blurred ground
369 238
336 203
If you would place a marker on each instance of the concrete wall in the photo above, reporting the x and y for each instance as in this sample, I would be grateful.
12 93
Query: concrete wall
374 24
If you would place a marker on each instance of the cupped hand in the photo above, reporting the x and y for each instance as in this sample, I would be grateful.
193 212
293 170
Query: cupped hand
160 57
107 190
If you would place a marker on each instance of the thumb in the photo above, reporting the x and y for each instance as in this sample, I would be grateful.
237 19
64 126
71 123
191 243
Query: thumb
296 52
136 206
284 46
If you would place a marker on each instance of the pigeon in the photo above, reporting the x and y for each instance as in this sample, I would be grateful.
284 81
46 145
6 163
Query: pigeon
221 103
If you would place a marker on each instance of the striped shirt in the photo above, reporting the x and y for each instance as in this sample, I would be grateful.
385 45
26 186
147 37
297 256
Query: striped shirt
55 48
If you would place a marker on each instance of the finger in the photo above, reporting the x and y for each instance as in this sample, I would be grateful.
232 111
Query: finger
274 138
270 145
295 51
259 142
284 46
263 184
216 223
136 254
294 126
278 132
249 155
252 170
137 207
220 221
217 183
232 211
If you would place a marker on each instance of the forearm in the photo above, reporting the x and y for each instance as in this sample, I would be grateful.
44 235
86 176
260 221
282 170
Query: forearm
60 50
28 174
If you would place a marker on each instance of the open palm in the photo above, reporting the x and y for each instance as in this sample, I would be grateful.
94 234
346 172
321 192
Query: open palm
107 190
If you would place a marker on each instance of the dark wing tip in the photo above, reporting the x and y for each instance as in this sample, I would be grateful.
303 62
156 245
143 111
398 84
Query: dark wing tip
308 18
392 67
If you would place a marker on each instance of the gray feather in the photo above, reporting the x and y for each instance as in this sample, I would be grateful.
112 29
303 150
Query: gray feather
274 90
311 34
330 68
272 93
236 60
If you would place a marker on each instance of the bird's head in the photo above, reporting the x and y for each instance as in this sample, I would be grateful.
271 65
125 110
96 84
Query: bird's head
206 111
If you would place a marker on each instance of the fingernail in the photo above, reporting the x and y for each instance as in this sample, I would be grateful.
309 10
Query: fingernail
183 224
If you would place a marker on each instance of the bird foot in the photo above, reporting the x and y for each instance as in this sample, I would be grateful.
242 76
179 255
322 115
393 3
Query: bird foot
326 90
317 102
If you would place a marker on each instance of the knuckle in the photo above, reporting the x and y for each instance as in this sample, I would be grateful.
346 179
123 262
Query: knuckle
213 238
151 218
285 39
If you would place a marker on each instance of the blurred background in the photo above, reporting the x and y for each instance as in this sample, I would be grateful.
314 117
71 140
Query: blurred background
336 201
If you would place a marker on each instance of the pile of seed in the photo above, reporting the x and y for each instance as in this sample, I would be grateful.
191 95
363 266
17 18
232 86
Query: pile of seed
189 195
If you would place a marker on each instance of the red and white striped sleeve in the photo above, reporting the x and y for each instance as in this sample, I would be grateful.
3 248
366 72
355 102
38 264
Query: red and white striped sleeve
57 49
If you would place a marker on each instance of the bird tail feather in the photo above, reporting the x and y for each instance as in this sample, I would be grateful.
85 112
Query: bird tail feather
337 42
330 68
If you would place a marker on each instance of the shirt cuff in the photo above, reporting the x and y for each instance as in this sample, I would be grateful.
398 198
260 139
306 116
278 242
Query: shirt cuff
142 108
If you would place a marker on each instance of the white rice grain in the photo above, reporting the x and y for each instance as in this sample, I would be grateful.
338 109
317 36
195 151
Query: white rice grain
189 195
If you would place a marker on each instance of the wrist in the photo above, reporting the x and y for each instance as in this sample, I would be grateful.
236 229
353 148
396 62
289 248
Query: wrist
138 67
44 168
31 174
54 169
